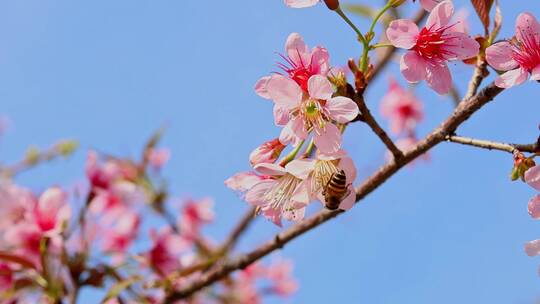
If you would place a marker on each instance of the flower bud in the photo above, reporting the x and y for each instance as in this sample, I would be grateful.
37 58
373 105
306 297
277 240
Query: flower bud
66 147
268 152
332 4
396 3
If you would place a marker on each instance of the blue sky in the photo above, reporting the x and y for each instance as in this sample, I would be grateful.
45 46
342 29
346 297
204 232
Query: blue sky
108 73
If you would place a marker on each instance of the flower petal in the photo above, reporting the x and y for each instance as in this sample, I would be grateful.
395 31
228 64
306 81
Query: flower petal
300 3
328 140
297 50
320 61
499 56
260 87
284 91
440 15
300 167
511 78
281 115
532 248
462 46
428 5
413 67
342 109
255 195
534 207
270 169
535 73
527 27
402 33
319 87
347 165
532 177
348 202
438 77
300 196
243 181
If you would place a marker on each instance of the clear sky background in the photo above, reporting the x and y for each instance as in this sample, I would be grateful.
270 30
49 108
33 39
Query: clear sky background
108 73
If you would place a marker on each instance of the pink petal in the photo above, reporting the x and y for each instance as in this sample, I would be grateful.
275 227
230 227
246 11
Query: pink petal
535 73
272 214
527 26
319 87
462 46
300 167
402 33
255 195
499 56
320 61
293 132
347 164
348 202
534 207
532 248
281 115
284 92
297 50
440 15
300 3
243 181
301 197
439 78
342 109
511 78
270 169
532 177
260 87
295 214
413 67
329 139
428 5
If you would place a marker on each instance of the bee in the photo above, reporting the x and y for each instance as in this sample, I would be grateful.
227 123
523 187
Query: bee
336 190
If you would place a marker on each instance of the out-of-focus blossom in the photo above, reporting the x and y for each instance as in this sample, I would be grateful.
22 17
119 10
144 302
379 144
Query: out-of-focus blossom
401 108
301 3
163 257
268 152
102 175
534 207
532 177
284 195
532 248
194 215
518 57
123 232
6 277
243 181
428 5
430 48
15 203
52 211
280 273
116 199
314 112
157 158
301 63
24 239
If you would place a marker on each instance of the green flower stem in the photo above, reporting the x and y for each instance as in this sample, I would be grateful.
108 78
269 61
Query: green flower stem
287 159
349 22
364 62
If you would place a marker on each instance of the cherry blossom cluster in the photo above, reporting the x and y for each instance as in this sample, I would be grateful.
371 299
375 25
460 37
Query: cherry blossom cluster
56 241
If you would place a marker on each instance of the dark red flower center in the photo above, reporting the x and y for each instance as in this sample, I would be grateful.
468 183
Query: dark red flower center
300 72
432 43
526 52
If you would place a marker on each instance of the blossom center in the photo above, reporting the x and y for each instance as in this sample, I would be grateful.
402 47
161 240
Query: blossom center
526 52
313 114
431 43
322 173
280 194
298 70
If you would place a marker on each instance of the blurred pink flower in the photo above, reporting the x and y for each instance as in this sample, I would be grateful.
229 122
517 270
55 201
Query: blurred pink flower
163 257
532 177
315 111
280 273
123 232
402 108
268 152
15 202
193 215
284 195
428 5
430 48
301 64
6 277
157 158
52 212
532 248
518 57
300 3
534 207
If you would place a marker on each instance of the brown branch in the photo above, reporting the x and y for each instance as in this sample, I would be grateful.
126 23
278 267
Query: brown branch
238 230
491 145
460 115
454 95
480 72
374 125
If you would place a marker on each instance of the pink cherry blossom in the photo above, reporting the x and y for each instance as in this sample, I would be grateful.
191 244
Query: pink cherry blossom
430 48
532 177
52 211
15 203
301 63
534 207
163 257
402 108
532 248
157 158
24 239
243 181
314 112
268 152
284 195
194 215
280 273
121 235
301 3
518 57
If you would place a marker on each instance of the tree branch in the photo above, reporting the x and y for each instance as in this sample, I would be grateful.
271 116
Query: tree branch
492 145
460 114
480 72
238 230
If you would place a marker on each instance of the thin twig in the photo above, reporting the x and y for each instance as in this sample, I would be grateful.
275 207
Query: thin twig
238 230
492 145
480 72
374 125
460 114
454 94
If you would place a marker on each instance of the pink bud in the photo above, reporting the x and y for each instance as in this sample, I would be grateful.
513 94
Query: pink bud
267 152
534 207
157 158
